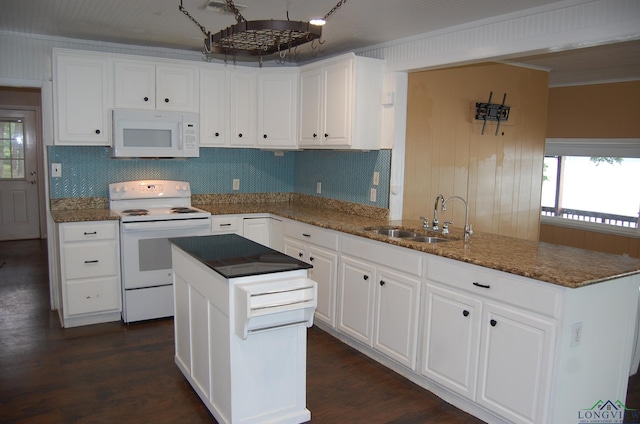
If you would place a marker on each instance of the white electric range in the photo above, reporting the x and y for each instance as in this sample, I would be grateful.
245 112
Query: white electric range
151 212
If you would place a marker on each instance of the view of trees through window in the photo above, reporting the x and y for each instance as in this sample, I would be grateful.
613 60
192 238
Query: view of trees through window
11 150
595 189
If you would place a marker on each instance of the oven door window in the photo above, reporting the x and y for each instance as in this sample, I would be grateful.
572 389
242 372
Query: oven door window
154 254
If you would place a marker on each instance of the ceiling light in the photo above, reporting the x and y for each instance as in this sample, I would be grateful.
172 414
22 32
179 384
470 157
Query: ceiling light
258 38
317 21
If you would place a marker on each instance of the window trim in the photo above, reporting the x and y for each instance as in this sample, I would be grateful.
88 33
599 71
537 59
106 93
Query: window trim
605 147
615 147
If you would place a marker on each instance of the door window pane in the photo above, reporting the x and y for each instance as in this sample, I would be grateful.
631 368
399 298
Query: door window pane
11 150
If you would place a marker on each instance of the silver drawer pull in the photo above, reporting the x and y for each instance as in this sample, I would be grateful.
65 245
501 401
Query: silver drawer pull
90 234
225 225
95 261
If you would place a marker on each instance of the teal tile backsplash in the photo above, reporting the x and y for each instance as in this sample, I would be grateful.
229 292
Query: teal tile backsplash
87 172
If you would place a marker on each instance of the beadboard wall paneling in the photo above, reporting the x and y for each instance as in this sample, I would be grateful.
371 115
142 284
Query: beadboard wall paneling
563 25
500 176
592 240
595 111
28 57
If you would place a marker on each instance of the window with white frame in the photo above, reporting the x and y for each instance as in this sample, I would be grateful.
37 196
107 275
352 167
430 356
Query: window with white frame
594 181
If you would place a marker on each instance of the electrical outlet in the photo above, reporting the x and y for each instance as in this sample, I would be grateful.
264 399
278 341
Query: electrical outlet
576 334
236 184
318 187
56 170
376 178
372 196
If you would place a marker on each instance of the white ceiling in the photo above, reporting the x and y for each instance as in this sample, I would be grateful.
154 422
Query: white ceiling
356 25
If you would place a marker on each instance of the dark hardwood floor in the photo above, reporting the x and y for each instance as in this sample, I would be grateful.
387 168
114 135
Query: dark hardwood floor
116 373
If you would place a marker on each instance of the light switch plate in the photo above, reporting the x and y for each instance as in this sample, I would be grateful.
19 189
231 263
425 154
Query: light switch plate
318 187
376 178
236 184
56 170
372 196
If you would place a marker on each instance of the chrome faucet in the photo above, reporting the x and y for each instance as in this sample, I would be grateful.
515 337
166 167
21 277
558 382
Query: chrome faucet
435 226
467 228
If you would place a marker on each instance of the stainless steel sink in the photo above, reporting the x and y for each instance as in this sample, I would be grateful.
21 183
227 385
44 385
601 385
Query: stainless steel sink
410 235
397 233
428 239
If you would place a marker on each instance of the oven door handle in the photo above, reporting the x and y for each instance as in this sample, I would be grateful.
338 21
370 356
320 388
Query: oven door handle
167 225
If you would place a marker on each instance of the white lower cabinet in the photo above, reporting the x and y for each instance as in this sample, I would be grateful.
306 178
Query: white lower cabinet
378 301
487 338
264 230
450 339
356 299
317 247
515 363
89 272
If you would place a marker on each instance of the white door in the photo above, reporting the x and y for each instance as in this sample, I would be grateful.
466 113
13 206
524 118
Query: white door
515 364
451 333
396 331
356 300
19 209
324 272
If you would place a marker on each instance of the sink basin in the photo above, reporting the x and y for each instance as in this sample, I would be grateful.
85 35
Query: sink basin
394 232
428 239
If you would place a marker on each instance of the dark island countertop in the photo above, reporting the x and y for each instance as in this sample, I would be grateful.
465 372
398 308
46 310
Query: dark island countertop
233 256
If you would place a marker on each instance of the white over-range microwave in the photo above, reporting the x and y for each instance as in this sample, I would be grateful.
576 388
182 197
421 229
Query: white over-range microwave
155 134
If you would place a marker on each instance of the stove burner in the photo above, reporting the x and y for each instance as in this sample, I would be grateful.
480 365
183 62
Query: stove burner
135 212
183 210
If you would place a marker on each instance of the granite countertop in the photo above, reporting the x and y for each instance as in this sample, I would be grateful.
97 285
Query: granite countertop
561 265
233 256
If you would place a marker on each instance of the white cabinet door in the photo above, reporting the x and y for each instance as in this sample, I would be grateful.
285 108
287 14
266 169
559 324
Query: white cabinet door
177 88
277 109
257 229
396 316
135 85
324 272
515 364
214 109
338 102
310 105
451 334
355 316
81 87
242 101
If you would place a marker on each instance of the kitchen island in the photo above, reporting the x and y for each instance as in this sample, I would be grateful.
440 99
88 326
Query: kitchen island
241 314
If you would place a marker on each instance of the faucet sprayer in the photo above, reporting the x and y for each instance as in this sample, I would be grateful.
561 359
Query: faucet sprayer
467 228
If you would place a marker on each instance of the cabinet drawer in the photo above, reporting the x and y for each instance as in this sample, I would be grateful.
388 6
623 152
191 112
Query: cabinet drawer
311 234
87 260
81 231
224 224
400 258
533 295
92 296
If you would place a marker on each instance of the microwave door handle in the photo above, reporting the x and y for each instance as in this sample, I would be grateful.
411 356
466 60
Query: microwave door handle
180 134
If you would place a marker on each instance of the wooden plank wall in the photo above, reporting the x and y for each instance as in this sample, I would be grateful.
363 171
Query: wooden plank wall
592 240
594 111
500 176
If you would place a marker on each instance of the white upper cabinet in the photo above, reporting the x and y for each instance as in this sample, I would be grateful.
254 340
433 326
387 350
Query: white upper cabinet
81 92
242 101
277 108
214 107
148 85
340 103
